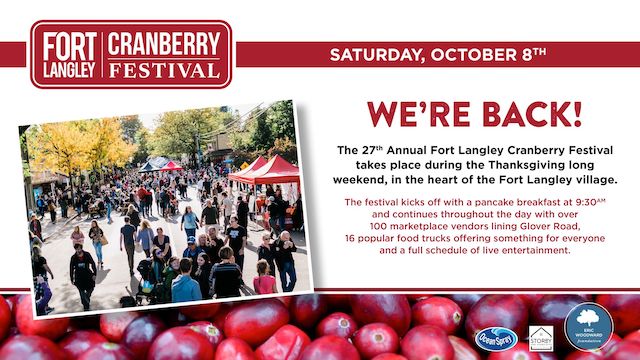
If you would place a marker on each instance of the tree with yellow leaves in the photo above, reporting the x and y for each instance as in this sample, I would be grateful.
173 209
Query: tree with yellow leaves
75 146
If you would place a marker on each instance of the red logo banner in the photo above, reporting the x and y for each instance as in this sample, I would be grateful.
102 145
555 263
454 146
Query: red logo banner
131 54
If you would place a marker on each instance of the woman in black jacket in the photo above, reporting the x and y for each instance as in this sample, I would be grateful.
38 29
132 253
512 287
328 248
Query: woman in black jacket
202 274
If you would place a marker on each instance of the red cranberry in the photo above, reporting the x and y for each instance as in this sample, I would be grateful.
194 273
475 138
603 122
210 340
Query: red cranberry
462 350
285 344
254 322
375 339
112 325
625 310
49 328
6 318
390 356
338 324
306 310
426 342
107 351
200 312
518 352
438 311
552 310
141 333
330 347
23 347
497 310
465 301
394 310
625 350
234 348
77 342
210 331
180 343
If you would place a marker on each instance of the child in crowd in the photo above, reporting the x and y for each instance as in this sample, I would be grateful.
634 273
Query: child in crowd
264 283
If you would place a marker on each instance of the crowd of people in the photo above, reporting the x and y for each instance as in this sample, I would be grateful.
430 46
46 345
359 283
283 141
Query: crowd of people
213 263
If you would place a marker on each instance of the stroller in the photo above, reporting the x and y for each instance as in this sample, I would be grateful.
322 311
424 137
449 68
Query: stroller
147 287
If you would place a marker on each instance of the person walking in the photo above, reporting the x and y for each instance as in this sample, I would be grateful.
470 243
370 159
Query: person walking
184 288
266 252
82 270
283 249
35 226
134 216
215 244
128 235
189 222
209 215
242 211
64 205
162 242
108 203
145 236
227 207
51 206
77 237
96 234
274 213
41 206
236 238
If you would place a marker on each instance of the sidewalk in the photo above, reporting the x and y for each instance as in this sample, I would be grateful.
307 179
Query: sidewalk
50 229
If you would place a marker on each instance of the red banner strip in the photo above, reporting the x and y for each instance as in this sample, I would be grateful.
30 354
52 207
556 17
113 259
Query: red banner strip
13 54
438 54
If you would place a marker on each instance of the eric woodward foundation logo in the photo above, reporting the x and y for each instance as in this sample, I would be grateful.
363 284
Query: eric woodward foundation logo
131 54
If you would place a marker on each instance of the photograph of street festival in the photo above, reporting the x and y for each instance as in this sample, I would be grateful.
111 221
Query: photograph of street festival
173 207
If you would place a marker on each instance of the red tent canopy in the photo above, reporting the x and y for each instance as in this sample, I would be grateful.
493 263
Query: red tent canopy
277 170
255 165
170 166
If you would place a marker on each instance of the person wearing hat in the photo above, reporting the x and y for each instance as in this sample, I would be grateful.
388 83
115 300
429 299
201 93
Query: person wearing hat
274 213
192 251
82 270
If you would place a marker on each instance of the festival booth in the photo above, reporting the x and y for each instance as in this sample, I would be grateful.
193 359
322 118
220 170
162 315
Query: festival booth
255 165
171 166
159 164
275 171
148 167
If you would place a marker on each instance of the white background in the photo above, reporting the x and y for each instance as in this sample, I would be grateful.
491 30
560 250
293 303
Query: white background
332 111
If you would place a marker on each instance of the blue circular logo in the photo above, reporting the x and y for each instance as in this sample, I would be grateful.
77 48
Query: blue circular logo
588 326
496 338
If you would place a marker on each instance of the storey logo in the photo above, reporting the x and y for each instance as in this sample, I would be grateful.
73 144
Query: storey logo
540 338
131 54
496 339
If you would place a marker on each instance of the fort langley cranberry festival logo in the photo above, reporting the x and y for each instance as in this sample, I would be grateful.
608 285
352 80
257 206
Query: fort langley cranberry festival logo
131 54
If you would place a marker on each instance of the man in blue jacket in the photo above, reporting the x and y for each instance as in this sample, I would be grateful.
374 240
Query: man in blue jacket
184 288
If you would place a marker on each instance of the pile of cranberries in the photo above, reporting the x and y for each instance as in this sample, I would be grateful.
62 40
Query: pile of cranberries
322 327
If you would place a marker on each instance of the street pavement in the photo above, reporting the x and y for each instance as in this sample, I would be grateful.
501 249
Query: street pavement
114 281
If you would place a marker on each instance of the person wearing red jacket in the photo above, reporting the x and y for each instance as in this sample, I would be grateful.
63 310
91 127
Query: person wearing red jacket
142 194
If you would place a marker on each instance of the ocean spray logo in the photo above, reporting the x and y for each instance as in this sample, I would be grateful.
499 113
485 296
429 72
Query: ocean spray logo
496 339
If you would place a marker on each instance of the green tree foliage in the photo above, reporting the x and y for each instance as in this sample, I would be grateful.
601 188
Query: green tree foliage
261 137
268 132
143 146
130 125
185 132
